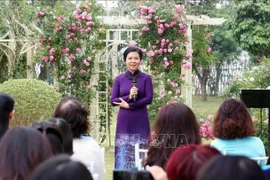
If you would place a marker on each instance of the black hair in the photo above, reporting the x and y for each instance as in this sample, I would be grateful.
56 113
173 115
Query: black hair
6 107
61 167
133 49
231 167
53 133
67 133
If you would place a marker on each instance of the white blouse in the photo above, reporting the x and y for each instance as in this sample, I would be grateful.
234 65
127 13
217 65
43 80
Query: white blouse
87 151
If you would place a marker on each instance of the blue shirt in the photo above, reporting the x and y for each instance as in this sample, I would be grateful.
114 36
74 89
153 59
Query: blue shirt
249 146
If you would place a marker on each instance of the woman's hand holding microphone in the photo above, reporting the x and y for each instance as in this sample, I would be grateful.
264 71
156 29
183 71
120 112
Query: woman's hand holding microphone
132 95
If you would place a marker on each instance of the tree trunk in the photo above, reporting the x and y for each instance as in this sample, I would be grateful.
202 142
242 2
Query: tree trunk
11 54
218 71
203 81
17 59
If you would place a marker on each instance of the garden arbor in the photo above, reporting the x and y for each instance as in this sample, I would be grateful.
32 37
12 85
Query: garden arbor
109 63
14 48
110 58
187 89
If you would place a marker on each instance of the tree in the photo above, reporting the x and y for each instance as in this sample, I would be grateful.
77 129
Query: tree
250 25
16 20
204 7
224 49
202 58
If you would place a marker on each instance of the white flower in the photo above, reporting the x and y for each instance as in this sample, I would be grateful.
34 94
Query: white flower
251 79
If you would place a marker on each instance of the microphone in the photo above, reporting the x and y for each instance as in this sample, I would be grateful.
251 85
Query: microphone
134 84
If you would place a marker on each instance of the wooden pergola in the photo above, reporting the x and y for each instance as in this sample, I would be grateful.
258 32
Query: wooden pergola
187 89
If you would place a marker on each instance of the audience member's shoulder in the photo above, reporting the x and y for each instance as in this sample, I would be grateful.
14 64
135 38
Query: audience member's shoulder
90 140
254 138
216 142
86 137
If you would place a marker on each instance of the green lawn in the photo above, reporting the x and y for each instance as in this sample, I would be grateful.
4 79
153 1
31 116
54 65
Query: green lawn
199 107
109 162
203 108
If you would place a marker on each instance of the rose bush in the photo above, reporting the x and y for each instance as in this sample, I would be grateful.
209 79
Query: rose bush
206 127
257 77
71 37
164 40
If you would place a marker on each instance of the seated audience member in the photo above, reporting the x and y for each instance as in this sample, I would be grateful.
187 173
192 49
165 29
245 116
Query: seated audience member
233 130
85 148
66 130
184 163
175 126
232 168
266 168
53 134
22 150
6 112
62 126
61 167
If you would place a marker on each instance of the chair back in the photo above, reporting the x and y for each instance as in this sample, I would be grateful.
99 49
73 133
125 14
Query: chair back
260 160
140 154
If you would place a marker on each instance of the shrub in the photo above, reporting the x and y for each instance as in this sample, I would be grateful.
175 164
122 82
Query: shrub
206 128
34 100
257 78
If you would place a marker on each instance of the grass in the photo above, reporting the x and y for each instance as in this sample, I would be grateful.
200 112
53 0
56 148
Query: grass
109 162
203 108
199 107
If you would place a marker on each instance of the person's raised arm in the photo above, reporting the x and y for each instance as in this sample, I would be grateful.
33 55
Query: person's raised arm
147 99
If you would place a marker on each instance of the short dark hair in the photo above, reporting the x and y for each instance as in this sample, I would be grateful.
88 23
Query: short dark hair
6 107
53 133
133 49
74 112
185 163
61 167
22 149
177 120
231 167
233 120
66 130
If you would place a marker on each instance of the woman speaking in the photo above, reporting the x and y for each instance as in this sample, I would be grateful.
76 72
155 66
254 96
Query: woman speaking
132 92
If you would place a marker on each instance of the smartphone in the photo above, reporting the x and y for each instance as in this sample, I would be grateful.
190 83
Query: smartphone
132 175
